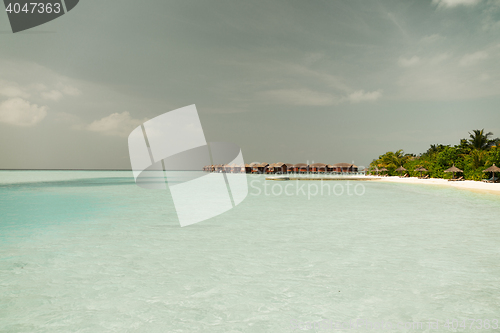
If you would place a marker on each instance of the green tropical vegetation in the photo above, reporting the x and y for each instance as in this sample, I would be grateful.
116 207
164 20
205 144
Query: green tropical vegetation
472 155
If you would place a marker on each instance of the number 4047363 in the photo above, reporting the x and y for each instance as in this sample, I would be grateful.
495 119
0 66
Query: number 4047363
34 7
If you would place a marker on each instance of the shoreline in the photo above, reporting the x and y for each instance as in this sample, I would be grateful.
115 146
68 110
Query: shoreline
469 185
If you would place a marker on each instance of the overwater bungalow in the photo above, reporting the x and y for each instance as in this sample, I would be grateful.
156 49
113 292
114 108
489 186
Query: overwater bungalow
255 167
289 167
318 167
269 168
235 168
301 168
259 167
279 167
344 167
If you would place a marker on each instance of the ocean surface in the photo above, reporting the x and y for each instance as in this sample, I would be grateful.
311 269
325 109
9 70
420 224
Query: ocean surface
89 251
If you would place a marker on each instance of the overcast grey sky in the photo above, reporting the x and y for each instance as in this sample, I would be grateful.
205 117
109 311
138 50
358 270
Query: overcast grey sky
289 81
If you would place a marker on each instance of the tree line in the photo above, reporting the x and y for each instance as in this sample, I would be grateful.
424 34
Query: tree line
472 155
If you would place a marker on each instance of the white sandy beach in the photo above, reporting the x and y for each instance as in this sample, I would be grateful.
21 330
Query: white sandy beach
466 184
471 185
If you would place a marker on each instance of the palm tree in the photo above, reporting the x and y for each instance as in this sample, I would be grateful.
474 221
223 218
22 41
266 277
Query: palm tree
393 159
477 158
434 149
480 140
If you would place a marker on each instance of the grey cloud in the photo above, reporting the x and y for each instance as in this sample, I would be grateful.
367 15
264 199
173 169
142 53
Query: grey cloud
257 72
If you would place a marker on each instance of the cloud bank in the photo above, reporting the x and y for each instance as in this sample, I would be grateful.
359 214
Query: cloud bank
116 124
362 96
408 62
454 3
474 58
19 112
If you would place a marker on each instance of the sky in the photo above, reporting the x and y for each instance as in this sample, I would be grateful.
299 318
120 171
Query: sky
288 81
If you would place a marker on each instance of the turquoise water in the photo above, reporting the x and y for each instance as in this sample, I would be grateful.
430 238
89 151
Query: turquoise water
92 252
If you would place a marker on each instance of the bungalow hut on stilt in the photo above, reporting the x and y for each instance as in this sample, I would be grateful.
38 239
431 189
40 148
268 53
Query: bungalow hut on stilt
344 167
280 167
318 168
301 168
255 167
289 167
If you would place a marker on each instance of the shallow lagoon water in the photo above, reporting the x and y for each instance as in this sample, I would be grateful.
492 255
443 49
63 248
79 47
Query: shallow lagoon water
92 252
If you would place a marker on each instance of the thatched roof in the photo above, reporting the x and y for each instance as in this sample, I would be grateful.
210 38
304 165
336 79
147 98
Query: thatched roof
344 165
258 165
383 169
300 165
492 168
453 169
421 169
277 165
318 165
289 165
401 169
